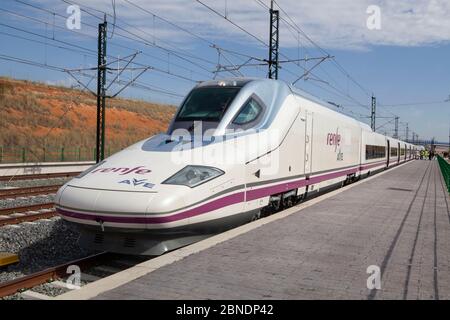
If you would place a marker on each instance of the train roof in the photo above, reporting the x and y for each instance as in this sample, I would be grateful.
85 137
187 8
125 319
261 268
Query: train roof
324 105
240 82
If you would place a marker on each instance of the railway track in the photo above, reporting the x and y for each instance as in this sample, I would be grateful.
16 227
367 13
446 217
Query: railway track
103 263
28 191
35 279
39 176
33 212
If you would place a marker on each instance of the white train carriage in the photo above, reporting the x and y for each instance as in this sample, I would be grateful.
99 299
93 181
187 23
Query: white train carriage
235 150
397 151
374 152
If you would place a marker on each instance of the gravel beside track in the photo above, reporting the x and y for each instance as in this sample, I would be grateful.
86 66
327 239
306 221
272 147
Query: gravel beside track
26 201
33 183
40 245
50 290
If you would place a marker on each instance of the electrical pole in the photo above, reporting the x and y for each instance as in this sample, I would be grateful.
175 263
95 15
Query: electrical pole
372 115
396 128
101 92
102 89
407 132
274 42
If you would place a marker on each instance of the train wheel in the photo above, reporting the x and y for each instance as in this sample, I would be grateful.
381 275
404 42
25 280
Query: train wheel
256 216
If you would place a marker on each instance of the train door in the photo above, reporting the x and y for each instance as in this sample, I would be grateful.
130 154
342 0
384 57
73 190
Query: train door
406 151
398 153
388 153
308 142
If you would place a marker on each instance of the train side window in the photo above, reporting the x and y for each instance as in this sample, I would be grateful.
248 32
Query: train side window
248 113
375 152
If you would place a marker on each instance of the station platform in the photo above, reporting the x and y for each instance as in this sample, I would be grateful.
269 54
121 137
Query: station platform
397 220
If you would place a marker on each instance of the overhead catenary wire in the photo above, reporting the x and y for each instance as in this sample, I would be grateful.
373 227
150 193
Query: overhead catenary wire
406 104
40 8
95 28
259 40
197 36
128 34
140 38
207 41
86 51
113 3
337 64
291 23
139 84
94 52
88 35
210 43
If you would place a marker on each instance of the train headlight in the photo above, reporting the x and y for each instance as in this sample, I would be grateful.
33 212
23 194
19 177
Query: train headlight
193 176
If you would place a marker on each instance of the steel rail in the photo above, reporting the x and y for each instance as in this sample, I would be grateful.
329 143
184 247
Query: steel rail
40 277
28 191
33 207
27 218
39 176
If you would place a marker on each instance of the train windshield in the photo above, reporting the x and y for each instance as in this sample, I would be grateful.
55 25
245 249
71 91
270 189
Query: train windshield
207 104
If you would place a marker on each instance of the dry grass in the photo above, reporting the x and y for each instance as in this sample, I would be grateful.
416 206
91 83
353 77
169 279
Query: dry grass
38 116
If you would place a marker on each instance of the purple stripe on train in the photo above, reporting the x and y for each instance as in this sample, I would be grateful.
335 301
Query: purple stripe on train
217 203
207 207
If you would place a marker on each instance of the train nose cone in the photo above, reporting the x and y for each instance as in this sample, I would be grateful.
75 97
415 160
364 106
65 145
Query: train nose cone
110 208
59 193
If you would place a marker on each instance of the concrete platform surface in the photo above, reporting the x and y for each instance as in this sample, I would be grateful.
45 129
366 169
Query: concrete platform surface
398 222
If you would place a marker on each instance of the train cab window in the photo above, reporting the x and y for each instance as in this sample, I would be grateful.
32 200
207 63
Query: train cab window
248 113
207 104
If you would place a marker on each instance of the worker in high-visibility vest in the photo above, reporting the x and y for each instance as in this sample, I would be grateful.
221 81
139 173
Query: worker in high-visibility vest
425 155
421 154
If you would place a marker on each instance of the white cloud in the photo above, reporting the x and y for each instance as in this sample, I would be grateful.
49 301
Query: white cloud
331 23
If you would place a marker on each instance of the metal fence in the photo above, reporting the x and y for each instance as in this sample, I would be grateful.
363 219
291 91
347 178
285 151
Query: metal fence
48 154
445 168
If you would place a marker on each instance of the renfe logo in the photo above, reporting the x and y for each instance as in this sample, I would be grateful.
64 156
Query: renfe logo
123 171
333 139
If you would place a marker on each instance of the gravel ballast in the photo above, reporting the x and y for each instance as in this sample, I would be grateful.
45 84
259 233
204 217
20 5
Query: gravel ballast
33 183
26 201
40 245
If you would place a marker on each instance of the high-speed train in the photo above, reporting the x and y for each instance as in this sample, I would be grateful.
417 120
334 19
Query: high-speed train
236 150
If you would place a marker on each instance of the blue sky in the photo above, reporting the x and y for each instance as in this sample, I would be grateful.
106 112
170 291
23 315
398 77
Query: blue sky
404 62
